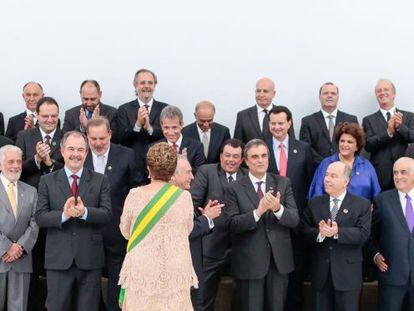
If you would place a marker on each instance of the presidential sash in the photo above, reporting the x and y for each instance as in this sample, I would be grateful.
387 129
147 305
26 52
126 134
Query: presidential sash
149 217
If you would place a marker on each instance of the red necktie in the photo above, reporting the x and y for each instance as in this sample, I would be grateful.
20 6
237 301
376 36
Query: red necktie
175 147
282 161
259 190
74 185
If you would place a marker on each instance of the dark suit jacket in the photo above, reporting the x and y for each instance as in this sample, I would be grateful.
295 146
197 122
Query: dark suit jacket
122 175
254 244
27 140
72 122
342 257
410 151
1 124
386 150
247 126
209 184
15 125
219 134
200 229
391 237
5 141
314 131
139 142
75 240
195 153
300 168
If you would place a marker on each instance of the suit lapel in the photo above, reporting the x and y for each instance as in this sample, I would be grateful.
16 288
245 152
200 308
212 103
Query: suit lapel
89 161
211 143
155 111
21 199
322 125
112 161
250 191
293 154
55 143
4 199
84 182
63 183
272 160
346 207
222 176
325 211
255 121
395 199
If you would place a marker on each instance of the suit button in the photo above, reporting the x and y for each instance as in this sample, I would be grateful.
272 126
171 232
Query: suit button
267 230
330 248
73 233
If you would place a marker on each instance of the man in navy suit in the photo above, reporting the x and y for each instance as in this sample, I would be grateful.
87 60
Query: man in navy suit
91 107
211 134
392 242
389 131
291 158
32 92
318 128
118 163
139 120
171 119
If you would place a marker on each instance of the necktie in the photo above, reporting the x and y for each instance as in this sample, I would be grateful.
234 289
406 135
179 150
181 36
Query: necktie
47 140
175 147
409 213
146 107
388 114
282 161
259 190
265 124
331 126
88 114
205 143
12 197
230 179
100 164
74 185
335 209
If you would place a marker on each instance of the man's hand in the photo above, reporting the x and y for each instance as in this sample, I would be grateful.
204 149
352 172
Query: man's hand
83 119
79 208
398 120
15 252
328 228
212 210
391 126
28 122
142 116
69 208
96 112
380 262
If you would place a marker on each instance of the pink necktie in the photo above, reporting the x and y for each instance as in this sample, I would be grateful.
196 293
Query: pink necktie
282 161
409 213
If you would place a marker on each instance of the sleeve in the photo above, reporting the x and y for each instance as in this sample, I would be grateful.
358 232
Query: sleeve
28 239
317 187
375 140
125 224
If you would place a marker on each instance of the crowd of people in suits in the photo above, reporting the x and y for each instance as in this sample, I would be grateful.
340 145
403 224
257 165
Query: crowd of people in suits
273 208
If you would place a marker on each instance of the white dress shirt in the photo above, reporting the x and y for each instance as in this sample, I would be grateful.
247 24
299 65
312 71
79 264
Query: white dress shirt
326 117
276 148
331 205
261 114
384 112
97 164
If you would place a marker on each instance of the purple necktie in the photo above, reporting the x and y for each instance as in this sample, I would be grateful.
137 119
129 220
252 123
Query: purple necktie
409 213
259 190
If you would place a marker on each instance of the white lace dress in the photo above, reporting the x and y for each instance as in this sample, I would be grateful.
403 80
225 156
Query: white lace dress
158 273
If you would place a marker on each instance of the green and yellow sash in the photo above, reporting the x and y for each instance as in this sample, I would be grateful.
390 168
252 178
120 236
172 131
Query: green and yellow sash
149 217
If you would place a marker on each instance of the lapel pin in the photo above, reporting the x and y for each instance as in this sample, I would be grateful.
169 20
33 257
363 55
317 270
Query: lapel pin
53 143
295 151
345 211
109 168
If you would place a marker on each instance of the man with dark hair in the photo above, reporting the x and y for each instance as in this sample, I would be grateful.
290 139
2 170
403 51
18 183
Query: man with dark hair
118 163
139 120
291 158
32 92
209 184
74 204
389 131
92 107
318 128
260 211
211 134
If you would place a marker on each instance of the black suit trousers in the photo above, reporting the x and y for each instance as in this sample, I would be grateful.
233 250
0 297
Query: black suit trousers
395 297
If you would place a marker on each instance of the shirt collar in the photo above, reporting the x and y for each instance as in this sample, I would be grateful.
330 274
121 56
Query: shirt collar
69 172
260 109
340 197
410 193
178 142
141 103
51 134
255 180
105 155
285 142
5 181
326 114
29 112
201 132
384 112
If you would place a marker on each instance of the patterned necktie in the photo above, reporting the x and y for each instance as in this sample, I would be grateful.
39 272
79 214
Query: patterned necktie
335 209
259 190
175 147
230 179
282 161
47 140
74 185
265 124
12 197
205 143
331 126
388 115
88 114
409 213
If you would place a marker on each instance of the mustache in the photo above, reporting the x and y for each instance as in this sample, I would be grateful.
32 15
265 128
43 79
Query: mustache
75 157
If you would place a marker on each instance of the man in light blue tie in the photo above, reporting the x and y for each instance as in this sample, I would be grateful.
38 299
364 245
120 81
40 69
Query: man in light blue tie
392 241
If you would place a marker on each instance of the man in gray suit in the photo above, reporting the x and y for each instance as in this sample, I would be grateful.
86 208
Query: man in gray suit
74 203
18 230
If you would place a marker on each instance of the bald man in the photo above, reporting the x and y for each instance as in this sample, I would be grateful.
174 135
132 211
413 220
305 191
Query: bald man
253 122
32 92
211 134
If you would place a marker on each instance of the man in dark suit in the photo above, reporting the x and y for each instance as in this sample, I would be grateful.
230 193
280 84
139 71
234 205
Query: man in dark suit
5 141
74 203
388 131
1 124
18 231
318 128
118 163
260 211
171 120
392 244
211 134
291 158
410 151
41 155
203 220
337 225
32 92
253 122
139 120
209 184
92 107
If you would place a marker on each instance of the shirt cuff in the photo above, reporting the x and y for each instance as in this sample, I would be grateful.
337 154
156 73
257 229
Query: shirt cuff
85 215
319 238
279 213
37 163
137 128
335 236
150 131
256 217
210 222
375 256
64 218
